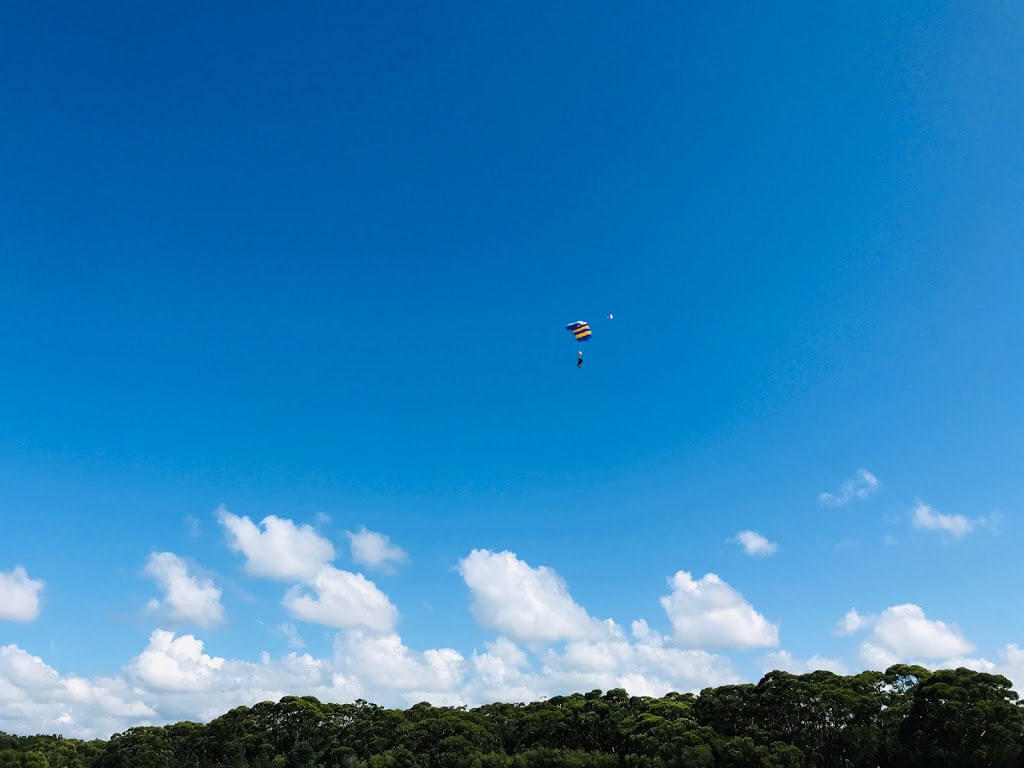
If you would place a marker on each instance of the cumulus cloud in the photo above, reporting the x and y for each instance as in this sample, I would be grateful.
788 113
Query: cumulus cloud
904 634
588 664
957 526
852 622
533 606
19 595
687 670
172 679
281 550
324 594
754 544
175 663
342 599
646 666
708 613
36 699
501 673
374 550
877 656
1012 665
181 681
785 661
1013 659
525 603
186 597
909 633
976 664
383 659
176 678
860 486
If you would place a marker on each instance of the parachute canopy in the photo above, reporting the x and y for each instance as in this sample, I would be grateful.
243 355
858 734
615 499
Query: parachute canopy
580 329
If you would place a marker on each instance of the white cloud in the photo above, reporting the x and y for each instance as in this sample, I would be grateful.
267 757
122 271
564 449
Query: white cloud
19 595
588 664
342 600
710 614
236 682
683 670
374 549
647 666
906 630
180 681
533 605
976 664
34 698
858 487
1013 665
853 622
784 660
502 660
175 678
26 671
877 657
527 604
754 544
385 661
282 550
903 634
172 679
501 674
175 663
928 519
1013 659
325 594
186 597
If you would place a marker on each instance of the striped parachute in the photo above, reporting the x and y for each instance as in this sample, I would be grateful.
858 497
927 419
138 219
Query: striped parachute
579 329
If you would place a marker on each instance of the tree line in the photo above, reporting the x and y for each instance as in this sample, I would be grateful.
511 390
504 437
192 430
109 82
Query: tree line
905 717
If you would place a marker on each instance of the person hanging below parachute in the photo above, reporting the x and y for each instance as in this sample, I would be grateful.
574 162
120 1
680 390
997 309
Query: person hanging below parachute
581 330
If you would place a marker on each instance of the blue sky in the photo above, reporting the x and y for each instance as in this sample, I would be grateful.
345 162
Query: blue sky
288 404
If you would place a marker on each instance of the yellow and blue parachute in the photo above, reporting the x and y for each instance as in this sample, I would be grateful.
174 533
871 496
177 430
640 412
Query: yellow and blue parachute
580 329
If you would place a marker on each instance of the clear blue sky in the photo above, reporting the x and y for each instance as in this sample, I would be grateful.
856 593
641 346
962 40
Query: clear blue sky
315 263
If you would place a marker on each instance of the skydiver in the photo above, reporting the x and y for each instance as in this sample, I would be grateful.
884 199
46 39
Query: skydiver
579 362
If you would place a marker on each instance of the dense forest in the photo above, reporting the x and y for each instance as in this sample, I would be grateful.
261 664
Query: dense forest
906 716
